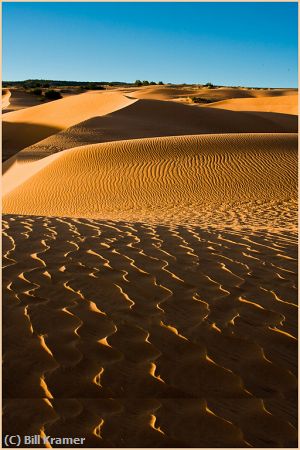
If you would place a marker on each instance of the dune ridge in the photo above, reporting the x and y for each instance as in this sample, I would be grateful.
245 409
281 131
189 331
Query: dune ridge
222 93
6 94
117 115
150 269
198 177
285 105
27 126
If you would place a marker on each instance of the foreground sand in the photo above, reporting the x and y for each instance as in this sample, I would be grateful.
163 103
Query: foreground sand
142 335
150 272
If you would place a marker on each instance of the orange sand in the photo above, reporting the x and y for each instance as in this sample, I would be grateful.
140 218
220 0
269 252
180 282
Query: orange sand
150 269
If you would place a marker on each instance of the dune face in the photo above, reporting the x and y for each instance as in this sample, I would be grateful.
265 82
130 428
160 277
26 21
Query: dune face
150 269
150 118
284 105
30 125
6 94
20 99
198 178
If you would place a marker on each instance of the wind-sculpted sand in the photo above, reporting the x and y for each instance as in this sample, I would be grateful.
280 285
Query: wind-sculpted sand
284 105
27 126
131 334
20 99
150 270
6 94
245 179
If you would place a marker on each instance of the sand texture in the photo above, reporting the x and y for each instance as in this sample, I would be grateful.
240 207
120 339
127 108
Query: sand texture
150 269
200 179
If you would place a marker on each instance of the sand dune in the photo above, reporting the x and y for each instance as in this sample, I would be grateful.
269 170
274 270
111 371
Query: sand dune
20 99
284 105
198 178
153 118
131 334
115 115
223 93
6 94
27 126
150 269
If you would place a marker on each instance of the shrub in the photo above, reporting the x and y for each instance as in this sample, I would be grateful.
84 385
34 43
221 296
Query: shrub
209 85
202 100
53 95
37 91
160 82
138 83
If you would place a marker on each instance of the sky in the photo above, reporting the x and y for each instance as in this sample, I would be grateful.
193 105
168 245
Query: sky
231 44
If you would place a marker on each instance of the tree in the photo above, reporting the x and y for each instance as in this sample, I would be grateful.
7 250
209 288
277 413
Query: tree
160 82
138 83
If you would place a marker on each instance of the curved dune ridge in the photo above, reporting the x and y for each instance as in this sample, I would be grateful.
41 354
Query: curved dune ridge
150 269
194 177
122 114
154 118
27 126
223 93
139 335
5 98
20 99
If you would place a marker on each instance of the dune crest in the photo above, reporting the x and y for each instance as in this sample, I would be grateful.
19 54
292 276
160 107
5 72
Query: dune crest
283 104
6 94
194 177
27 126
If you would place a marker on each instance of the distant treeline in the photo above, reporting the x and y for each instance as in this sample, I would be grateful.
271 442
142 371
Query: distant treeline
32 84
56 83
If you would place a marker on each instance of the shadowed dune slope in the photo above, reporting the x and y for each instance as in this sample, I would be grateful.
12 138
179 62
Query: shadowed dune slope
284 104
28 126
194 177
153 118
21 99
140 335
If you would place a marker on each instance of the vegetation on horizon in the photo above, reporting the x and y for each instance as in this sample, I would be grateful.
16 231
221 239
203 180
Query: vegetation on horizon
202 100
52 95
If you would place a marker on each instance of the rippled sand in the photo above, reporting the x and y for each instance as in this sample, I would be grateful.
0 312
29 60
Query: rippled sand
150 279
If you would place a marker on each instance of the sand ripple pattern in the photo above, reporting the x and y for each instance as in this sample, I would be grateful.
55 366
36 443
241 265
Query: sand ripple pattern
132 334
248 179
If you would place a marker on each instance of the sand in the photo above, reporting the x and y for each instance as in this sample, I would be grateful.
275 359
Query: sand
19 99
284 105
6 94
199 179
150 272
27 126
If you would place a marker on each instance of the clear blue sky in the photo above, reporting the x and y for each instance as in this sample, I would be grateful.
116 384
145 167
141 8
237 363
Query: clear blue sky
249 44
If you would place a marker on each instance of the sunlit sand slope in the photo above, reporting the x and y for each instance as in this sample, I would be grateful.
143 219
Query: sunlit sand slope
237 178
27 126
140 335
152 118
6 94
285 104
